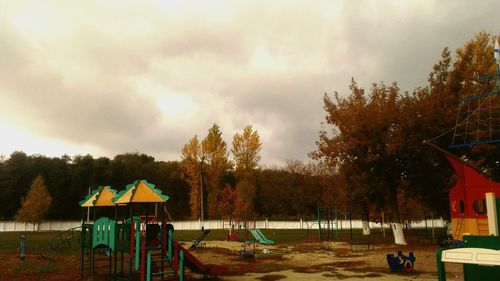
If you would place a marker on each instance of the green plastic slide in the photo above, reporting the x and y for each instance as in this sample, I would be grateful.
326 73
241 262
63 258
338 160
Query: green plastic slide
259 236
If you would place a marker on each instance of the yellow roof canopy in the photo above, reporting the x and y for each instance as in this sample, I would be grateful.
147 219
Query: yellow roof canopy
140 191
99 197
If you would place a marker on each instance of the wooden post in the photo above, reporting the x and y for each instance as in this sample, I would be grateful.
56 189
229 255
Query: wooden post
143 257
491 210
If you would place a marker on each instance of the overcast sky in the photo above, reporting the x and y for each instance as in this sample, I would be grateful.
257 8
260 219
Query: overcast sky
108 77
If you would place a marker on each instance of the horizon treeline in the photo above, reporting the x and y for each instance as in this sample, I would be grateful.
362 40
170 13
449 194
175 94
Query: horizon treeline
288 192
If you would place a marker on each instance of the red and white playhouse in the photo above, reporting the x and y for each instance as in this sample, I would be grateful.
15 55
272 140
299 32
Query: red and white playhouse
468 200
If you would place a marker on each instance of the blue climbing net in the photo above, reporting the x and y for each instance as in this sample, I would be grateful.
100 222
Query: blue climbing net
478 116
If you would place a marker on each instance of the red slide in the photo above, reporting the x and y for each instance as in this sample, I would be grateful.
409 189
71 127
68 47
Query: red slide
196 265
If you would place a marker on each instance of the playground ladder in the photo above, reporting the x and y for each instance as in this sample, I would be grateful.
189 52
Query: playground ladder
159 265
457 230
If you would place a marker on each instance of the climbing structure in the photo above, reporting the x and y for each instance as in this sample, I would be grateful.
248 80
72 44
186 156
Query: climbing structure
477 122
478 115
467 200
137 244
474 204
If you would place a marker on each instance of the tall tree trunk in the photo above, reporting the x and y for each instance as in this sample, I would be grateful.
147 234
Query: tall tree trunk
212 203
397 228
365 219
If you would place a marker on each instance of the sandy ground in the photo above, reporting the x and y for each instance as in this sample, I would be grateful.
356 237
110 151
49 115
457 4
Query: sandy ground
317 262
299 262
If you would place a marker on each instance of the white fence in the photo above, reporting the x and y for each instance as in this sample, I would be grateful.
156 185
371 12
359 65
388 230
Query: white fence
6 226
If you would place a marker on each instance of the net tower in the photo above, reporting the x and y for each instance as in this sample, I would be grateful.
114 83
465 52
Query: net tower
478 116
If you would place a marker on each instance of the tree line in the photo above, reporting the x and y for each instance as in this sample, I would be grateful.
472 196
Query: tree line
289 192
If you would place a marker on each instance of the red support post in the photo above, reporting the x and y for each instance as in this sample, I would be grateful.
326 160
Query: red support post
143 258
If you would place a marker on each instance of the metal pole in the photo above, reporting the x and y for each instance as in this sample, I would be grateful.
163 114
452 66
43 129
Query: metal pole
201 190
88 209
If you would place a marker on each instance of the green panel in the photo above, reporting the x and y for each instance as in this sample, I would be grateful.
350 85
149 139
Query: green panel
86 235
487 242
103 233
474 272
441 269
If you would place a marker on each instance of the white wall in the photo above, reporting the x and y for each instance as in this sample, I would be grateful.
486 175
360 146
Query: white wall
6 226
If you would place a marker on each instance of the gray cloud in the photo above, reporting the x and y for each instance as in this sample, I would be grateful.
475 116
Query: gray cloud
147 77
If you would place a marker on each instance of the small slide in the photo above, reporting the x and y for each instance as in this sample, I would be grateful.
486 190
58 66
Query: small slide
196 265
201 238
259 236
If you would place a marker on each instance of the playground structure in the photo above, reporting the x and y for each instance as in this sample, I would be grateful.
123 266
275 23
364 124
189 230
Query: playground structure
328 224
480 255
260 237
250 250
238 229
474 208
241 229
467 197
401 263
200 241
327 221
137 244
467 201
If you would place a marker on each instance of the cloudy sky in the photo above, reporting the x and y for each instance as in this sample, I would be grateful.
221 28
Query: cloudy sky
108 77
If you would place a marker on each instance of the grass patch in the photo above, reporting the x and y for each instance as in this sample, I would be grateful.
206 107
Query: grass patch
37 242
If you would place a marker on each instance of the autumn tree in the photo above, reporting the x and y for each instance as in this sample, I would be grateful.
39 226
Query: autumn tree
228 202
364 146
215 155
36 204
191 155
246 149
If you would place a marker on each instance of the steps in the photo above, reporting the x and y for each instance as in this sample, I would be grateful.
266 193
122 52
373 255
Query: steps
158 265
